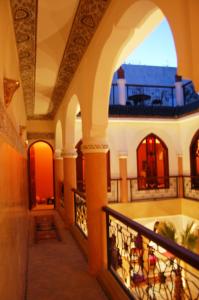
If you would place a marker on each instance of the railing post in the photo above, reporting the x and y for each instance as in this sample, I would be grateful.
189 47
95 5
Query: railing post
123 176
180 176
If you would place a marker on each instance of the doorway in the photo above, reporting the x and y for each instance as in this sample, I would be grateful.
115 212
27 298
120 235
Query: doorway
41 176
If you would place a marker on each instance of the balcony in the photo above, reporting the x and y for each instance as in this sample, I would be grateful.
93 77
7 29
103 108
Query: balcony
153 100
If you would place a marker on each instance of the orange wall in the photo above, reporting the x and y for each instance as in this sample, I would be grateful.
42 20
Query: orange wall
43 170
13 222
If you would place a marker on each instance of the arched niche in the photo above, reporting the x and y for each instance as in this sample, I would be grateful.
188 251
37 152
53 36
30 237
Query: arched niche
152 163
41 174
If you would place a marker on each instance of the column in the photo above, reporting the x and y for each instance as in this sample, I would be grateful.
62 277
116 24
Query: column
179 91
69 184
121 86
123 176
96 198
58 173
180 178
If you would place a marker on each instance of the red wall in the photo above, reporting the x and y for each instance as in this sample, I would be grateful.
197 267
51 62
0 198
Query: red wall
43 170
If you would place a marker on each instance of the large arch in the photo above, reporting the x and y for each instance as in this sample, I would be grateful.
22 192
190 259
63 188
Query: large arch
132 22
58 137
72 110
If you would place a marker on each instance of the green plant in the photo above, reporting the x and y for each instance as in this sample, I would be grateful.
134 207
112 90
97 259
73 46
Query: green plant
168 230
188 237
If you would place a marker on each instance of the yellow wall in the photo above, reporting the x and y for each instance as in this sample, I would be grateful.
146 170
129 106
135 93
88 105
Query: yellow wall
149 208
190 208
13 222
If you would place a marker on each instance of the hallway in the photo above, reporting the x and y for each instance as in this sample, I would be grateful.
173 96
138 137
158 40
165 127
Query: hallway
57 269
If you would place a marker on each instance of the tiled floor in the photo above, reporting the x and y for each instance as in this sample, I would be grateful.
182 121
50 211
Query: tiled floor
58 270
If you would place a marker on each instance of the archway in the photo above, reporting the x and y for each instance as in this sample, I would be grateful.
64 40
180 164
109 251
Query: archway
152 163
41 175
194 160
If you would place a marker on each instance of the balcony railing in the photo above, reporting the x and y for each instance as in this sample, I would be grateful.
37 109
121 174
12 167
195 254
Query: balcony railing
153 95
142 188
80 212
114 193
191 187
147 265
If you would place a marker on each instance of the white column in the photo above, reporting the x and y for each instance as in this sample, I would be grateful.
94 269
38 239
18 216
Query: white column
179 91
121 91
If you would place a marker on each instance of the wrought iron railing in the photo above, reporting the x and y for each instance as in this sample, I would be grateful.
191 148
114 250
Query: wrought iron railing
191 187
153 95
80 212
147 265
152 187
114 193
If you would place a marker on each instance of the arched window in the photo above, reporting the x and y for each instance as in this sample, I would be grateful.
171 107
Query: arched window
80 169
152 163
194 159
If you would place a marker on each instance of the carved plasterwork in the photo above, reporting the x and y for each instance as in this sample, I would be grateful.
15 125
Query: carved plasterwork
95 148
25 24
40 135
88 16
10 86
8 131
86 21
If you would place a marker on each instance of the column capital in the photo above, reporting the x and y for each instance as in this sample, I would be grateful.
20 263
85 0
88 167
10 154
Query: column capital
57 154
69 153
123 155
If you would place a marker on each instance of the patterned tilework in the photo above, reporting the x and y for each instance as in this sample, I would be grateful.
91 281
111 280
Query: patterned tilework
171 192
188 191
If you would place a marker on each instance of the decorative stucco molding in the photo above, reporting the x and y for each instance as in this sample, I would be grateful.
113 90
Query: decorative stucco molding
87 18
95 148
10 86
8 131
40 135
25 24
69 154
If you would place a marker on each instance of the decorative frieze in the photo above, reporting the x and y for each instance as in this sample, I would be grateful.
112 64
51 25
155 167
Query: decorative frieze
95 148
40 135
8 131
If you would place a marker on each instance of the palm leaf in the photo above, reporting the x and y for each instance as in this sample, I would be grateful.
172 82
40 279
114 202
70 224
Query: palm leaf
168 230
188 237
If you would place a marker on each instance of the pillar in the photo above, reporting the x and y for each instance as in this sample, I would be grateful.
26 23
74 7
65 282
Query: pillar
96 198
123 176
69 166
58 175
121 87
180 177
179 91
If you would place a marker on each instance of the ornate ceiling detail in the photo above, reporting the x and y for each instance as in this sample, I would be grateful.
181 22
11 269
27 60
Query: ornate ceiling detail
25 24
87 18
86 21
40 135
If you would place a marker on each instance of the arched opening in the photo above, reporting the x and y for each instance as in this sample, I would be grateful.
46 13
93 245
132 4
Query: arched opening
41 175
152 163
194 159
80 169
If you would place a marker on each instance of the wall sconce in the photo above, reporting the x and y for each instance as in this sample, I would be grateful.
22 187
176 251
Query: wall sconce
10 86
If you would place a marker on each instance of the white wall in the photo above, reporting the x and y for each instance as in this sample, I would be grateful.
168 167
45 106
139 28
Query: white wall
124 136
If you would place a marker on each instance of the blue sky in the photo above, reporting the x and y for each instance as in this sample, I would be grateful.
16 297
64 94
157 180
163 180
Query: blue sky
158 49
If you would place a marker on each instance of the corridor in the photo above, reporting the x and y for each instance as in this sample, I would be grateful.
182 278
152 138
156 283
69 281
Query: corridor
57 269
